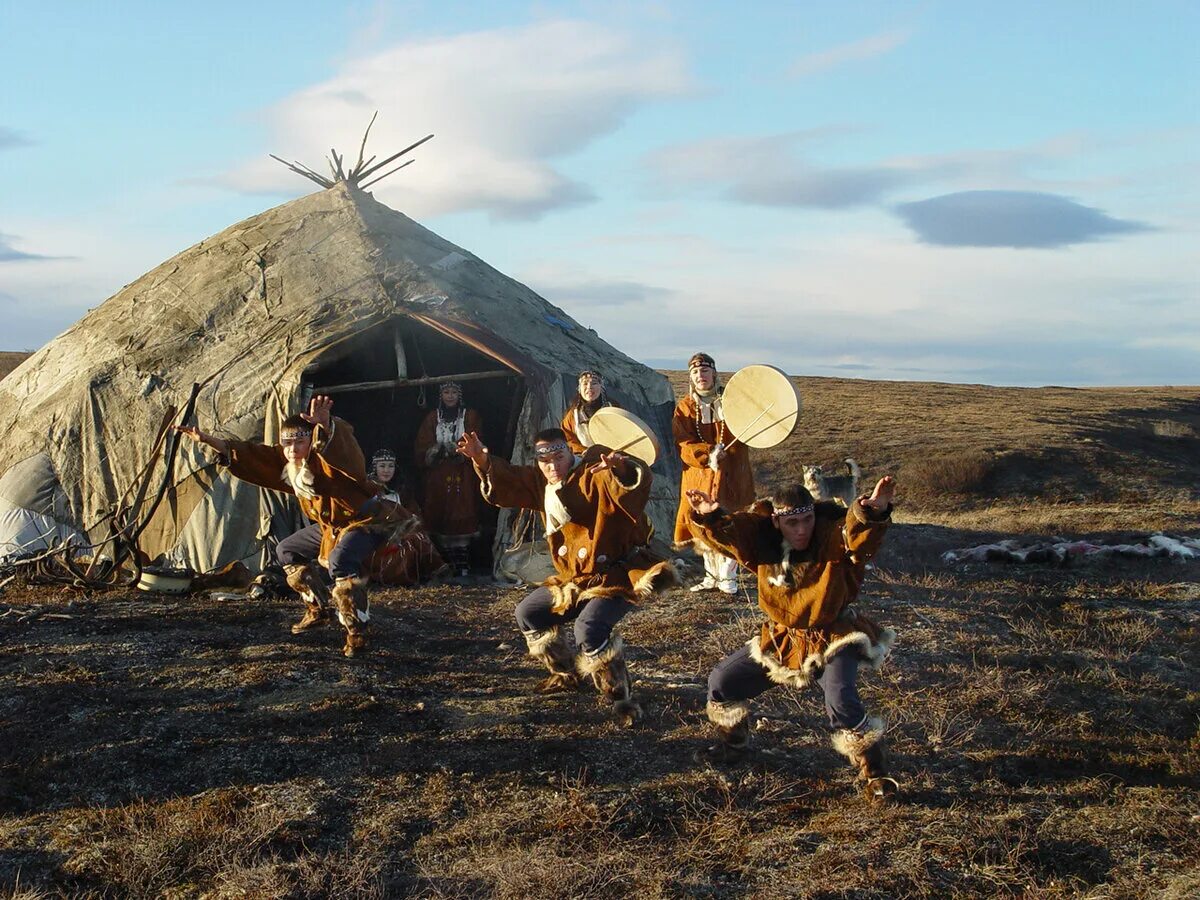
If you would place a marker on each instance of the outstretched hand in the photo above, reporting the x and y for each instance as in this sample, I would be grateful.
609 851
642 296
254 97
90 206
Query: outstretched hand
702 504
881 497
470 446
319 411
614 460
194 433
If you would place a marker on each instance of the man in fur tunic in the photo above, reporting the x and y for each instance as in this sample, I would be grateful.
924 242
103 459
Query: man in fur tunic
319 461
593 510
712 463
810 560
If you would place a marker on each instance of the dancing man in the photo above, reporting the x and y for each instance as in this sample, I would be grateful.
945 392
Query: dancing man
713 464
319 461
592 507
811 560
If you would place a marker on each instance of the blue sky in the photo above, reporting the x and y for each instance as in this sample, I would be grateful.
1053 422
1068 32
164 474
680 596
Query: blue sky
979 192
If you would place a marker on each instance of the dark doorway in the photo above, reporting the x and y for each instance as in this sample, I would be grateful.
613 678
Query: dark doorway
366 377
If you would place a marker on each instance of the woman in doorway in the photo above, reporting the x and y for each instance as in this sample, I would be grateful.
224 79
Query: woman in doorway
451 500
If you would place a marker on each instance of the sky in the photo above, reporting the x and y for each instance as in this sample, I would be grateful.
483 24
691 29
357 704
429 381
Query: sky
985 192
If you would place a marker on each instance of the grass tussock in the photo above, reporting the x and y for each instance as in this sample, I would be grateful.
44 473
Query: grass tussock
947 477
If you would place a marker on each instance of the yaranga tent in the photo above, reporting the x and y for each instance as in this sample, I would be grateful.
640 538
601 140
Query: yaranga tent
331 293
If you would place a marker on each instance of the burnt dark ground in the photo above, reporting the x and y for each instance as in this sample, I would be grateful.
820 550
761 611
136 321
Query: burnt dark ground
1043 722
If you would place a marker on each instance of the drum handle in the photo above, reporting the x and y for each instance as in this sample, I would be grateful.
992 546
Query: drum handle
754 422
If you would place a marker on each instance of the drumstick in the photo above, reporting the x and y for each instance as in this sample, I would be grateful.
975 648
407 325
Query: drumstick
754 422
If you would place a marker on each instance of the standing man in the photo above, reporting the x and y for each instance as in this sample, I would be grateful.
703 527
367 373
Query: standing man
810 559
450 503
713 464
319 461
592 507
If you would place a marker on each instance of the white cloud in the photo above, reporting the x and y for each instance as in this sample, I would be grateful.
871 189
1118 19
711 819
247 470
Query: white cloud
503 104
855 51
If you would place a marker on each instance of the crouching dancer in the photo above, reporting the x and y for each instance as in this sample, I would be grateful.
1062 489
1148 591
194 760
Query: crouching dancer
319 461
810 559
593 508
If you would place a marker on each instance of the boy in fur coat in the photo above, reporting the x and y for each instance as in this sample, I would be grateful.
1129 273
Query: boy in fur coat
319 461
810 560
593 508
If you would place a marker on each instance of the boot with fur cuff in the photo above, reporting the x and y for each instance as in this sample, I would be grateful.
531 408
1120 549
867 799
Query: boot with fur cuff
306 581
865 752
354 612
732 721
551 649
610 675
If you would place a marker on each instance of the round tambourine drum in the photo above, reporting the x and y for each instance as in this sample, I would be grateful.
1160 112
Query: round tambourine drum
619 429
761 406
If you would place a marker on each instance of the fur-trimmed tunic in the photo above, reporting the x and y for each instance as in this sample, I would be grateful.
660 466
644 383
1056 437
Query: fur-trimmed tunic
345 498
808 594
732 485
599 550
450 504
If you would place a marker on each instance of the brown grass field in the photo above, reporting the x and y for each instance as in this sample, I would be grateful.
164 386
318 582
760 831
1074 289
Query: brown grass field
1044 721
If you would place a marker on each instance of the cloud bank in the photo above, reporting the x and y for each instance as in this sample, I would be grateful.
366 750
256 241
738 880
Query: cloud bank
1019 219
504 104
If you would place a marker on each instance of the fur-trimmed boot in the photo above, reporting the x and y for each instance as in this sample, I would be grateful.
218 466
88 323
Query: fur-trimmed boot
865 751
732 721
306 581
608 672
354 612
551 649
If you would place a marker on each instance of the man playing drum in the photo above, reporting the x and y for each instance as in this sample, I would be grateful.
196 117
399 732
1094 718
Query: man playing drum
810 560
712 463
592 508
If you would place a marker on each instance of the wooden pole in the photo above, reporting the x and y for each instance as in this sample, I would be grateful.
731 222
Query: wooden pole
413 382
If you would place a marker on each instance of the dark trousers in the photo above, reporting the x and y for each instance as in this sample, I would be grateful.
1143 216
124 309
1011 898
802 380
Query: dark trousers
739 677
594 620
346 559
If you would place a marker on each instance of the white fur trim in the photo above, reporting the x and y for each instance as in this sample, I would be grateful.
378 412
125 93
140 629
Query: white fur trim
853 744
727 715
539 642
589 663
873 654
301 479
658 578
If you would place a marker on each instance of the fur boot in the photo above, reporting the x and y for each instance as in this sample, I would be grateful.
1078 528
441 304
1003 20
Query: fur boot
865 752
610 675
354 612
306 581
732 721
551 649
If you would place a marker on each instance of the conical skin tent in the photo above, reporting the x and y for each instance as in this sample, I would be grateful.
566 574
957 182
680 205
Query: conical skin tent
256 306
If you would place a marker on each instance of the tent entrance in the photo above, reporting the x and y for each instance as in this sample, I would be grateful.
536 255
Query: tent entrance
385 381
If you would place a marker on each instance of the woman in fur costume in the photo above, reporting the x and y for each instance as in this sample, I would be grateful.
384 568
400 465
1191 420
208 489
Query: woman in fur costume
450 501
810 559
710 465
589 399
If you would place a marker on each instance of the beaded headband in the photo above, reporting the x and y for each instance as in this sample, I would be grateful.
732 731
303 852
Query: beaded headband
701 359
793 511
296 431
553 449
383 456
590 372
450 384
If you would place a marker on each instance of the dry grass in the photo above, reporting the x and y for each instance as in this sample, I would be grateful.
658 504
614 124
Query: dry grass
1045 723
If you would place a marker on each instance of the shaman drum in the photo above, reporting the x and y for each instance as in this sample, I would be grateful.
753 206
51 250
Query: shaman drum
623 431
761 406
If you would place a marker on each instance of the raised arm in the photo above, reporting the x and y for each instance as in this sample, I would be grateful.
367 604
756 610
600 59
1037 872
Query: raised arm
734 535
501 483
868 518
